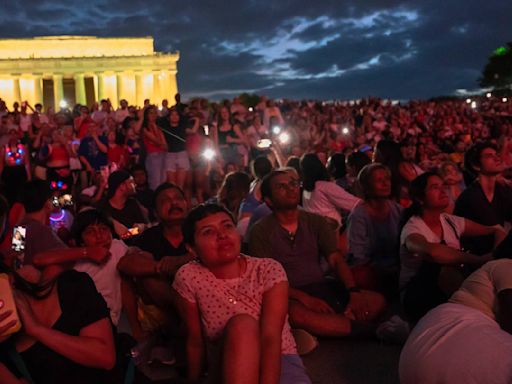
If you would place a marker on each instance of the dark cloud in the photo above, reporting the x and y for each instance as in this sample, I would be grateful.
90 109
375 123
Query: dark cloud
294 48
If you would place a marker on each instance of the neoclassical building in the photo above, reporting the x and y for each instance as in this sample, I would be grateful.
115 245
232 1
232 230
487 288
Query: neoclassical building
84 69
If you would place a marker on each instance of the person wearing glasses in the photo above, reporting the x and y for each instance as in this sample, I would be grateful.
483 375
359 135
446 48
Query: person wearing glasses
299 240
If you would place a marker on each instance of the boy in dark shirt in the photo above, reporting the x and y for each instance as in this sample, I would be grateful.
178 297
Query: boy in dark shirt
486 201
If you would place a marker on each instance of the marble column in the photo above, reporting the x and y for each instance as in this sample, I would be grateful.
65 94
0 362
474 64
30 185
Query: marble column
156 97
120 87
38 90
58 91
164 86
173 86
80 96
101 87
16 89
139 89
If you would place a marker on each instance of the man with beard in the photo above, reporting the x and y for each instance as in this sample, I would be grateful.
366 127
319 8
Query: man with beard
299 240
121 204
162 254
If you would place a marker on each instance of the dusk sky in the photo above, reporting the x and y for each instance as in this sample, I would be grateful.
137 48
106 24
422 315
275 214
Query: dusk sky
300 49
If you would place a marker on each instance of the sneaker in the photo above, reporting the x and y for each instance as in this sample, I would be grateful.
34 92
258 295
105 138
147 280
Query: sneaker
395 330
305 341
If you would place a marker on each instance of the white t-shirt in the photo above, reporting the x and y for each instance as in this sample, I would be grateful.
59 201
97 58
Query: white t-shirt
121 114
480 290
214 296
107 279
327 199
410 262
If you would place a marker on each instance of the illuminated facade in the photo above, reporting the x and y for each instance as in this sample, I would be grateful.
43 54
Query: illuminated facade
84 69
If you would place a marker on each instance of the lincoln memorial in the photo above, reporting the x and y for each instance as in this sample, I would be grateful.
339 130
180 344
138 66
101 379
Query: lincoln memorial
85 69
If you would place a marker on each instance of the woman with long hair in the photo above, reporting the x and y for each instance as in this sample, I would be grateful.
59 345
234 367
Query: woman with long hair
233 191
321 195
432 261
227 135
156 147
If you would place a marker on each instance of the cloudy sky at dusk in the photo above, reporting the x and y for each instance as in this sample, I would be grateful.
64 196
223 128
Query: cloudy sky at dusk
293 48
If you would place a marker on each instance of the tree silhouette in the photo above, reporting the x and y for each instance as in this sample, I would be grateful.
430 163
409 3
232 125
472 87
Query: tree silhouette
498 70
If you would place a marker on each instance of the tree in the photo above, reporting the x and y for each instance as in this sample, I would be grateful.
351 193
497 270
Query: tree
498 70
249 100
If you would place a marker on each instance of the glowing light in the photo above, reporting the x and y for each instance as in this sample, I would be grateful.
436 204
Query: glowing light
504 99
284 138
468 101
500 51
251 109
63 104
209 154
488 95
345 131
473 104
276 130
58 218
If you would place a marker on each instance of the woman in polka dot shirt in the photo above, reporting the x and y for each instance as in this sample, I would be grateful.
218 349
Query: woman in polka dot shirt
235 307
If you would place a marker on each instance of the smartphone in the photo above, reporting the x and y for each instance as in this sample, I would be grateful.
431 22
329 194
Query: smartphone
7 304
19 234
264 143
134 231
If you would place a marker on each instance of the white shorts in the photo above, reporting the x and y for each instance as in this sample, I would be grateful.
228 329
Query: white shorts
175 161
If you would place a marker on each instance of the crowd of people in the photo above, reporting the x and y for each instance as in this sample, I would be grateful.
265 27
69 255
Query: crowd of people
231 236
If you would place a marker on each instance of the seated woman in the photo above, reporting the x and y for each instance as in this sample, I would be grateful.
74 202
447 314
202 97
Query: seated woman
453 182
321 195
239 302
66 334
430 253
468 339
234 189
373 232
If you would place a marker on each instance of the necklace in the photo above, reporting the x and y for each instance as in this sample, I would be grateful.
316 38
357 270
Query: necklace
233 299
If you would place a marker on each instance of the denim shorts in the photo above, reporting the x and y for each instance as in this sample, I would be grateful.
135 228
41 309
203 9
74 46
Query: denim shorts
177 161
292 370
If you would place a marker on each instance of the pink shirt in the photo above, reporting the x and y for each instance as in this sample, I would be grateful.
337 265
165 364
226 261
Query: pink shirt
197 284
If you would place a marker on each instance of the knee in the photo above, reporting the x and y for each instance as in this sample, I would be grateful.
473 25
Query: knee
377 303
242 326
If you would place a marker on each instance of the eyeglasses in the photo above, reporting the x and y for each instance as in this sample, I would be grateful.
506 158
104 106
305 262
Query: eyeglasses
292 184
